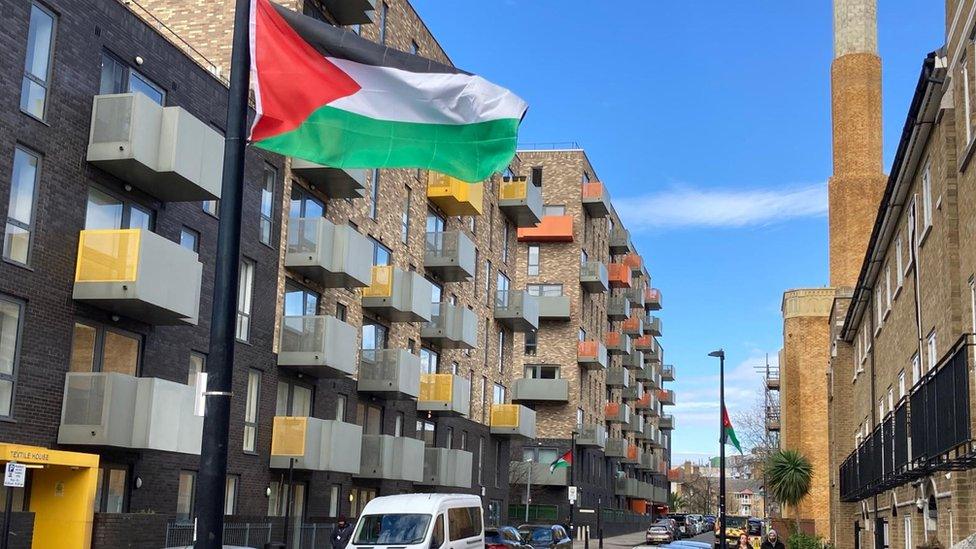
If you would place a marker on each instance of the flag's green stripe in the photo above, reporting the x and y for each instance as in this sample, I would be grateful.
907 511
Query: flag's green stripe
338 138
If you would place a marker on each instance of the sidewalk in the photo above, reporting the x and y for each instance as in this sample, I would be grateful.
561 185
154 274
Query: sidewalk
625 541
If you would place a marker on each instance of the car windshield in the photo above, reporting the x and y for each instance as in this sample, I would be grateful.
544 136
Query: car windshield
540 535
736 522
392 529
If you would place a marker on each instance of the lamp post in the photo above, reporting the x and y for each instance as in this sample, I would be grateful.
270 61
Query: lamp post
528 488
572 481
720 354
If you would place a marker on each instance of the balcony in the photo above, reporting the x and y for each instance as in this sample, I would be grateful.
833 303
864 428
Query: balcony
666 396
536 474
636 296
541 391
453 196
666 423
649 462
773 423
618 343
392 458
444 394
123 411
335 256
636 264
594 277
616 448
618 378
618 307
644 343
520 201
596 199
631 393
591 355
553 307
620 276
633 361
667 372
444 467
772 382
450 255
336 183
635 425
653 326
646 401
654 355
163 151
633 454
633 326
397 295
317 346
351 12
390 373
517 309
652 377
451 327
138 274
316 444
620 242
513 420
627 487
652 299
591 436
552 228
615 412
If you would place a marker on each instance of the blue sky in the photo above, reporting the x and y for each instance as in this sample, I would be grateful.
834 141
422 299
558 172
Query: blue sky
710 122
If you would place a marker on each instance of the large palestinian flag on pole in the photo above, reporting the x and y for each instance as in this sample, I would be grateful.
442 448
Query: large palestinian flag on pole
329 96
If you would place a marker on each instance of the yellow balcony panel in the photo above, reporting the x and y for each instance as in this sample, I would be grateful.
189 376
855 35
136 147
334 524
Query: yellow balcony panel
513 420
138 274
315 444
453 196
444 394
398 295
520 201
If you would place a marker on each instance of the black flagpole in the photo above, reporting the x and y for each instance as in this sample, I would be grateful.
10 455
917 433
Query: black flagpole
211 478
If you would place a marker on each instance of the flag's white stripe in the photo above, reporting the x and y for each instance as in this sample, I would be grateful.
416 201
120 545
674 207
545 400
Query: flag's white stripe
430 98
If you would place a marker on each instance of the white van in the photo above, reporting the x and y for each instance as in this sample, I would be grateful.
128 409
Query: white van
420 521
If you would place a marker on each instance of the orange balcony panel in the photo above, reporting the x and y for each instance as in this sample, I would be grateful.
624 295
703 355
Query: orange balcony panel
632 452
644 400
633 325
634 261
612 409
652 299
643 343
552 228
593 189
613 339
638 506
588 348
620 275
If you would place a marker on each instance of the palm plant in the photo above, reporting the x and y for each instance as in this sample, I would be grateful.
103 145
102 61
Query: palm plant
675 501
788 477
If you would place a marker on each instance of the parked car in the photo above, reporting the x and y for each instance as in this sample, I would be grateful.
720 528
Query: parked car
659 532
699 523
684 528
420 521
504 537
545 536
755 527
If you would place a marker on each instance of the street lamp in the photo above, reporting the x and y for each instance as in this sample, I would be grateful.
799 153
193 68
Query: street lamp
528 487
720 354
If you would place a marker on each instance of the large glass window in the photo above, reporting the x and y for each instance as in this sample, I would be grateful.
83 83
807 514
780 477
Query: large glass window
37 65
303 204
381 254
117 77
531 343
533 262
110 490
498 394
370 418
244 293
251 410
541 371
374 336
300 301
10 329
20 212
95 348
184 495
547 290
293 399
428 360
190 239
105 211
426 432
267 203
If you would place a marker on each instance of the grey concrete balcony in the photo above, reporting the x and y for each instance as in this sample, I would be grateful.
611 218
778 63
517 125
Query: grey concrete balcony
666 397
335 183
594 277
620 242
513 420
591 436
618 307
652 326
615 412
317 346
666 423
553 307
645 490
649 462
652 377
451 327
517 309
616 448
123 411
316 444
392 458
618 343
627 487
541 391
591 355
667 374
138 274
653 356
635 425
635 295
633 361
654 438
398 295
335 256
618 378
659 495
450 255
595 198
391 373
536 474
520 201
163 151
446 394
633 455
652 299
647 401
351 12
444 467
632 393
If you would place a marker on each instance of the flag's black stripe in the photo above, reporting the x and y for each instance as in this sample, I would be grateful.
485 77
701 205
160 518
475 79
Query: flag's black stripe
345 44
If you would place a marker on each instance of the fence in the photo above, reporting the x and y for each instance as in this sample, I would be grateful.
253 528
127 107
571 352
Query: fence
256 535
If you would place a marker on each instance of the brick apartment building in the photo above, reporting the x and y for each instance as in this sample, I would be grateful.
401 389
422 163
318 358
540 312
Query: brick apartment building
382 316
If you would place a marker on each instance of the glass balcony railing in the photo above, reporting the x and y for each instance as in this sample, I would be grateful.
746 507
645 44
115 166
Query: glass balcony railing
392 458
633 326
618 343
451 327
618 307
635 263
591 354
594 277
620 242
392 373
447 467
616 412
541 391
335 256
317 346
398 295
451 255
517 309
652 299
591 436
595 198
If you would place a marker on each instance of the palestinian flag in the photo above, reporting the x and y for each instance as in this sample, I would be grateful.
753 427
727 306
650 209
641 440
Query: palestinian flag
326 95
564 460
728 433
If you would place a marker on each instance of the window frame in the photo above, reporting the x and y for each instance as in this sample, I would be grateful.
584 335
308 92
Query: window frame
254 421
127 84
27 75
245 293
19 335
98 347
270 175
927 205
29 226
191 512
533 268
374 191
405 217
184 230
101 492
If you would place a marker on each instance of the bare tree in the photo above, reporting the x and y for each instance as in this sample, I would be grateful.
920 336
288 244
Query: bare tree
699 493
761 442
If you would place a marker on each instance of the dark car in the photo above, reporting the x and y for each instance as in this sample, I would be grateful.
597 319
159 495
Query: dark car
504 537
684 529
659 532
709 522
545 536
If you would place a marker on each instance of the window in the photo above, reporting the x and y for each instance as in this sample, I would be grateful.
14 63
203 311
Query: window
498 394
531 343
505 239
211 207
190 239
184 495
381 254
230 494
104 211
37 65
374 336
334 493
541 371
384 12
267 203
398 425
449 438
95 348
966 100
428 360
899 263
244 293
487 281
20 212
370 418
972 304
340 312
117 77
425 432
300 301
891 399
110 489
901 384
436 291
293 399
375 189
927 196
537 176
501 350
484 398
916 369
464 522
887 289
930 350
405 218
879 308
545 290
10 332
580 417
533 262
437 536
251 410
481 459
198 365
304 205
554 210
340 410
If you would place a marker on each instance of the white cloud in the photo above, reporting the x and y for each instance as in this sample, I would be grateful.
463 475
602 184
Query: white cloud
686 206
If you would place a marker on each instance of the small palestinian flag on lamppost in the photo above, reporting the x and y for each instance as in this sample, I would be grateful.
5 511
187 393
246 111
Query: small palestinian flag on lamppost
564 460
728 432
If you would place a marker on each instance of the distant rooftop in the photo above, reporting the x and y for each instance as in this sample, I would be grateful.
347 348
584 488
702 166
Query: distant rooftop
551 146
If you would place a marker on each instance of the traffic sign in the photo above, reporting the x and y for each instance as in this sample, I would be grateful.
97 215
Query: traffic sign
14 475
572 494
